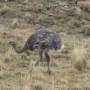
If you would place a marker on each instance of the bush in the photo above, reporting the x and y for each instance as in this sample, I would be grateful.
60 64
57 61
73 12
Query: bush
78 58
74 23
14 23
38 8
86 30
85 5
45 20
61 14
37 87
4 9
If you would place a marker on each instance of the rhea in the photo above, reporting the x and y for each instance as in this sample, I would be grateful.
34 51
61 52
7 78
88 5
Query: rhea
43 41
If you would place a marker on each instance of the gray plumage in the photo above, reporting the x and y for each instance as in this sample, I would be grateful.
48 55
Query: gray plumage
43 41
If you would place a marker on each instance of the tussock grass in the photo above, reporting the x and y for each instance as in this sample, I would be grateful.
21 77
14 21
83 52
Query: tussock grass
38 8
4 9
85 16
14 23
16 69
85 5
45 20
78 58
60 14
74 23
86 30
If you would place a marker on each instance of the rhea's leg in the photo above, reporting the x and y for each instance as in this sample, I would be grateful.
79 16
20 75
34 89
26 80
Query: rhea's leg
48 61
41 57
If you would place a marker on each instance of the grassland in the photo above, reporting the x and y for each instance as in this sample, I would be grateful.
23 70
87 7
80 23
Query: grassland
70 68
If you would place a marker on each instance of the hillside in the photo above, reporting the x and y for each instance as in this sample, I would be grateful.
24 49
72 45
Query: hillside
70 68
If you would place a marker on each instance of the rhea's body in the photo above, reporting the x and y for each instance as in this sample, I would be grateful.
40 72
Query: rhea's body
43 41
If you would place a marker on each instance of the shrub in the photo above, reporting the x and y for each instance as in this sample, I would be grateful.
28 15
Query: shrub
14 23
84 5
86 30
4 9
78 58
74 23
38 8
61 14
45 20
37 87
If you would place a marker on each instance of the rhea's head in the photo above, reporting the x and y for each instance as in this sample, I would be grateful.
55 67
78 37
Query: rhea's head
12 43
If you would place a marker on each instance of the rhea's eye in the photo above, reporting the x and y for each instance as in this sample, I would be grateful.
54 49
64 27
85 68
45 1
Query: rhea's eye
37 42
36 46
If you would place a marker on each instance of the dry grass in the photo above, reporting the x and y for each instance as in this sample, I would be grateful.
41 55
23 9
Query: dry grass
85 5
86 30
16 69
4 9
78 57
38 8
14 23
